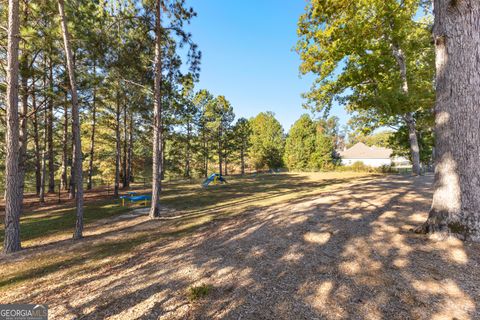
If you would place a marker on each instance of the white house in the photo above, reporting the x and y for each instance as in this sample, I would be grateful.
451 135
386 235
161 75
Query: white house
371 156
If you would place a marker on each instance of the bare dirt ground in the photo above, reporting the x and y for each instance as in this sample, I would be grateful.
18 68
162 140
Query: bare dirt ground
345 253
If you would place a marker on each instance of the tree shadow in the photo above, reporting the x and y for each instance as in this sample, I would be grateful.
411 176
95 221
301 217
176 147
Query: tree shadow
347 253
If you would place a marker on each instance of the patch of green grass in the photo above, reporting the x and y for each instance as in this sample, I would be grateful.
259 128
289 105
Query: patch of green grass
85 259
59 221
196 208
198 292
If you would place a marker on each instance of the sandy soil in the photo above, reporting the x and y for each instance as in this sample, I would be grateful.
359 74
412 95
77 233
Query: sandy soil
347 254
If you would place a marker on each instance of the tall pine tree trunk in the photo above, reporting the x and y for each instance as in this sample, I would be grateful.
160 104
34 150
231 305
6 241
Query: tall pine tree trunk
22 164
408 117
456 199
187 150
64 175
71 184
157 169
219 150
51 158
36 142
125 182
78 233
242 161
130 150
43 170
117 147
13 196
94 124
205 154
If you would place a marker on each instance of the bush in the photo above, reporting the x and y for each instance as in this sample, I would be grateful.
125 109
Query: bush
359 166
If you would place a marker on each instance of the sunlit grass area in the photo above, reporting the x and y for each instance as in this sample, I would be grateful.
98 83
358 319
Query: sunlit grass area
192 207
326 238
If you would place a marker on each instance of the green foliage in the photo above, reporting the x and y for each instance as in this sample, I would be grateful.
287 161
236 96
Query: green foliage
198 292
300 144
358 50
309 145
350 46
321 158
267 141
379 139
399 140
359 166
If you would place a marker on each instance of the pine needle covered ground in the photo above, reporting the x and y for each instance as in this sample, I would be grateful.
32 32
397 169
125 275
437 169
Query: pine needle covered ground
294 246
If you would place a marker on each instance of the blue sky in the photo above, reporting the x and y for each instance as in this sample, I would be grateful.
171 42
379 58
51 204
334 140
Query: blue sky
248 56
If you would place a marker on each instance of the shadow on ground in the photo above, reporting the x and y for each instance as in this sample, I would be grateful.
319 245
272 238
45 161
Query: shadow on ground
345 253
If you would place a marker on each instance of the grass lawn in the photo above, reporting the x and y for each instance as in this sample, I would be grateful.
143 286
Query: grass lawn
312 245
193 205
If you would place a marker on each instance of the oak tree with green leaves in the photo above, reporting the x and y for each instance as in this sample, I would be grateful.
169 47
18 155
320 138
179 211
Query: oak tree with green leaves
369 55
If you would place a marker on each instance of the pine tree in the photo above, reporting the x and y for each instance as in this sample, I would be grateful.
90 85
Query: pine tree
13 183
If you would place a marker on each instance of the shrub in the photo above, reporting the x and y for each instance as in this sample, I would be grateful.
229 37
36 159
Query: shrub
198 292
359 166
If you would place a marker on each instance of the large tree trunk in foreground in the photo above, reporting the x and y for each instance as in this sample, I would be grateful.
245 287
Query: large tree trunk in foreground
78 234
157 119
456 199
13 196
408 117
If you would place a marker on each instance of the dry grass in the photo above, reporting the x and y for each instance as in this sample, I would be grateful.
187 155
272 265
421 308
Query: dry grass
299 246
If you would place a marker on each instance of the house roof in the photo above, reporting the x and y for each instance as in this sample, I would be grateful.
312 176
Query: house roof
362 151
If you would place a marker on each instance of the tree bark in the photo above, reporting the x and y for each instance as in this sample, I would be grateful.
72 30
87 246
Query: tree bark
22 164
219 149
242 161
125 181
117 147
414 146
51 158
64 176
408 117
187 150
94 124
43 171
456 200
157 118
130 150
36 142
13 196
78 233
205 154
